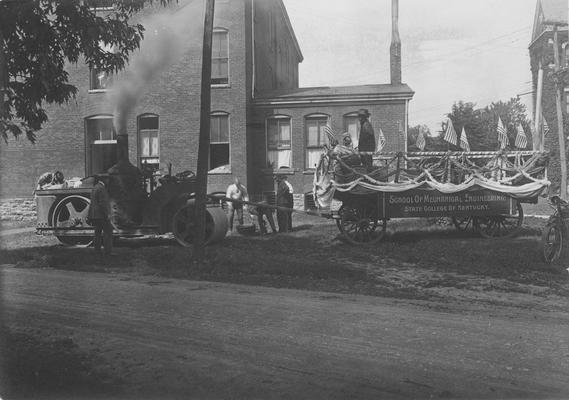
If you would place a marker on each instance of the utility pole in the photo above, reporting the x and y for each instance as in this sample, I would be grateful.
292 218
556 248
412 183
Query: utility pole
538 139
203 149
558 88
3 83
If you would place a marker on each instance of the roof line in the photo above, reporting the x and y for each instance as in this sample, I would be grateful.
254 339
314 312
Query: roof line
336 99
291 31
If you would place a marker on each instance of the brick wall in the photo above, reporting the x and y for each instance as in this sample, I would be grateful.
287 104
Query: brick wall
389 116
542 50
174 95
18 209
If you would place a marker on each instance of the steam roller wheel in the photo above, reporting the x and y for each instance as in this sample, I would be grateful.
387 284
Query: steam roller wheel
71 212
184 227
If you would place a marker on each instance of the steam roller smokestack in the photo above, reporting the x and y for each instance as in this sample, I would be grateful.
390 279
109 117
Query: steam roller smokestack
126 192
122 141
395 48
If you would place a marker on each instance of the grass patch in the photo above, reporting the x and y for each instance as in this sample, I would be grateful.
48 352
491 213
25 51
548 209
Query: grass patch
415 260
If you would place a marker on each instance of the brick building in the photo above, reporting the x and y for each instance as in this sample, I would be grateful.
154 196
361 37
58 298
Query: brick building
262 122
549 13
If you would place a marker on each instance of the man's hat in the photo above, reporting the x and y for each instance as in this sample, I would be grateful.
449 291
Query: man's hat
364 111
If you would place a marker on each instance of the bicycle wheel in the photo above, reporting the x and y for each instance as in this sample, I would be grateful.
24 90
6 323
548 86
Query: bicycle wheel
552 242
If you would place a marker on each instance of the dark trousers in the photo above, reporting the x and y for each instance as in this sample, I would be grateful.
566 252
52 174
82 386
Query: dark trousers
367 161
103 235
239 210
283 220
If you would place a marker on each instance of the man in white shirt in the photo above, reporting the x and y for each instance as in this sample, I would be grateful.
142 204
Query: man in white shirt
236 191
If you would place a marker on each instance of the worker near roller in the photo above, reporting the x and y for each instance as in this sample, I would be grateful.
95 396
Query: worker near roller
99 216
367 138
50 179
284 199
236 191
261 212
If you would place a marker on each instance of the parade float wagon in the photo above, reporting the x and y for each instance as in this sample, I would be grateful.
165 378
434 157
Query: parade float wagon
480 190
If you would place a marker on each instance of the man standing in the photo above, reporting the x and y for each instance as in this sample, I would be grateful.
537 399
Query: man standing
236 191
100 216
284 197
367 138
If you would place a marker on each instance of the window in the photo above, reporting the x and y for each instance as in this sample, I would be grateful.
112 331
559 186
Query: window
219 143
101 143
101 80
278 142
315 138
352 126
220 58
149 141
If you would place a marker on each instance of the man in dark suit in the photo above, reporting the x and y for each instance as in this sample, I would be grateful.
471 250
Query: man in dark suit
367 138
284 197
100 216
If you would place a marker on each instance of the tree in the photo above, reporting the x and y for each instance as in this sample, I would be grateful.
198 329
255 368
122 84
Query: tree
480 124
413 133
39 38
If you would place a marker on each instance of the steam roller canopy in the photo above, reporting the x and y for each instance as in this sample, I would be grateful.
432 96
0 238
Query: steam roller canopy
184 227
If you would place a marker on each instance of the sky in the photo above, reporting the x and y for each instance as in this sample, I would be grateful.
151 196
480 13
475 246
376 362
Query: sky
469 50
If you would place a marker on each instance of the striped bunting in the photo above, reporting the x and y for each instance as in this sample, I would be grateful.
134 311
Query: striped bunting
521 139
420 142
502 135
450 133
464 145
381 142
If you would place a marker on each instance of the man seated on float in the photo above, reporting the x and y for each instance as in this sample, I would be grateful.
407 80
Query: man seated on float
345 148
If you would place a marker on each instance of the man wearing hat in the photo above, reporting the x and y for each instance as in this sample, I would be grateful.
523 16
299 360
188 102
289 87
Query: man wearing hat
100 215
367 137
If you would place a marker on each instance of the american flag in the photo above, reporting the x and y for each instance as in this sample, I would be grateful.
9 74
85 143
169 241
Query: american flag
502 135
420 142
545 126
450 133
331 134
381 142
464 145
521 139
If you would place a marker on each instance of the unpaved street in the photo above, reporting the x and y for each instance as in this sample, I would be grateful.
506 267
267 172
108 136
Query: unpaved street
186 339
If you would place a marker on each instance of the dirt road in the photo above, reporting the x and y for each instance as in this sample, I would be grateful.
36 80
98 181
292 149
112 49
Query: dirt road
185 339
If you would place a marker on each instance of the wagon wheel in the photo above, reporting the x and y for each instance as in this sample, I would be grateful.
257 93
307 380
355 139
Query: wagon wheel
501 226
552 241
71 212
338 220
359 225
463 223
184 227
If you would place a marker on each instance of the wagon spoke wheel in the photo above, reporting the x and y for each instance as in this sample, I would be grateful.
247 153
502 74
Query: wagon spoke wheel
360 226
501 226
552 241
463 223
71 212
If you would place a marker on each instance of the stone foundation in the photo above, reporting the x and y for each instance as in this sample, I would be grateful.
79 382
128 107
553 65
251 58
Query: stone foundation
21 209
